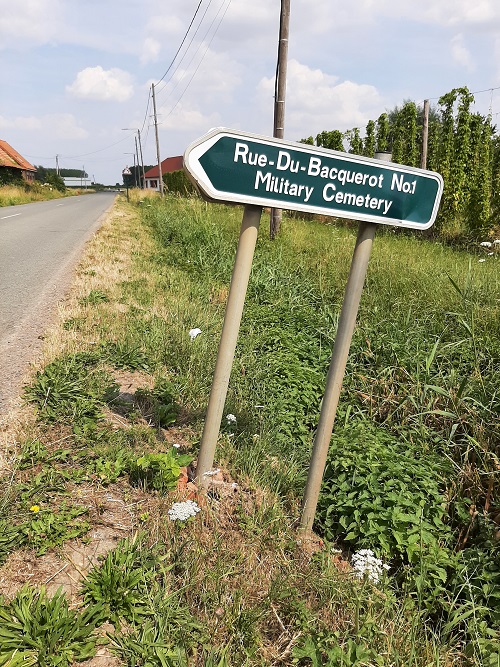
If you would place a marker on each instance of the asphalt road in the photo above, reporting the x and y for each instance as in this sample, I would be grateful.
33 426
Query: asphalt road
39 246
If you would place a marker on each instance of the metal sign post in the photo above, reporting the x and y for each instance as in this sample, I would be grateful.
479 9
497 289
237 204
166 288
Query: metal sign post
347 322
229 337
126 172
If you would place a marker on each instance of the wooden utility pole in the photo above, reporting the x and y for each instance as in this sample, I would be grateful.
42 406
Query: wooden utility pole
279 97
425 136
158 157
142 159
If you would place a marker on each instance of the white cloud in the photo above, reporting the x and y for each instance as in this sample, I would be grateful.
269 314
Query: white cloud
318 101
29 23
150 50
96 83
460 53
57 125
333 16
20 123
210 78
186 119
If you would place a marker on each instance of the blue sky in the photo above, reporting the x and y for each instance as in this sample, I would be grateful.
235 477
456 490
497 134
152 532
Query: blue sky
75 73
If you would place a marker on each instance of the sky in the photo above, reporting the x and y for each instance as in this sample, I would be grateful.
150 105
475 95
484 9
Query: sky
73 74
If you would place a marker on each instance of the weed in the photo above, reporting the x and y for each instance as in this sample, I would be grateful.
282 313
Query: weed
159 471
165 640
48 529
125 581
71 388
44 631
383 494
158 404
11 538
124 354
94 297
326 650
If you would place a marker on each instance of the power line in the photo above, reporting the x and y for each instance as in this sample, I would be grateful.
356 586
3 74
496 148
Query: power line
192 58
147 109
70 157
188 47
203 56
183 40
473 92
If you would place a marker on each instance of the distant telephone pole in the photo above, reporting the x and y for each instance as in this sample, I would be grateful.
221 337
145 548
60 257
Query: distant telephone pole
279 97
142 159
425 136
158 157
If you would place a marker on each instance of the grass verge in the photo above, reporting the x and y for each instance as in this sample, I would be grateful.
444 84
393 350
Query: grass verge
411 472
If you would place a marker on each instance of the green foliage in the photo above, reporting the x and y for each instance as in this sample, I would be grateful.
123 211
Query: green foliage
383 132
109 469
158 404
71 388
124 583
126 354
159 471
94 297
321 649
11 176
369 141
11 538
333 140
355 141
43 631
50 528
176 182
383 494
165 640
462 147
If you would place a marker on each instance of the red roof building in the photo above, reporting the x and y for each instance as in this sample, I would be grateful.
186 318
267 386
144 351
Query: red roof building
167 166
13 162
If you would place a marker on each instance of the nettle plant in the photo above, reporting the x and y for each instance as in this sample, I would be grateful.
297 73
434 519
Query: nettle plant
159 471
384 494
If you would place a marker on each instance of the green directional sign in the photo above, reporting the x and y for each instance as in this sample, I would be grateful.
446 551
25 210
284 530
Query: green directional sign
231 166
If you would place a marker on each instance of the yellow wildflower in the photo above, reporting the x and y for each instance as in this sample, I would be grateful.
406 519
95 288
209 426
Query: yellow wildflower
34 508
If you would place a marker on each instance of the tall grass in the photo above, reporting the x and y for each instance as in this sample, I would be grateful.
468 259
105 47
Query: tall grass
11 195
422 372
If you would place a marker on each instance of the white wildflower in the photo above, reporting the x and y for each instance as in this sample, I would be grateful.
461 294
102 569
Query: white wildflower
176 445
183 511
231 419
194 332
482 260
485 244
365 564
490 254
496 242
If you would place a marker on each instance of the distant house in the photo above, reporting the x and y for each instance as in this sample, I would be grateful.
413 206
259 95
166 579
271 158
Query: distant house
14 164
77 182
167 166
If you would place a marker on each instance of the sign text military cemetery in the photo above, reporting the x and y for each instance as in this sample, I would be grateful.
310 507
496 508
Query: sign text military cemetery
259 171
250 169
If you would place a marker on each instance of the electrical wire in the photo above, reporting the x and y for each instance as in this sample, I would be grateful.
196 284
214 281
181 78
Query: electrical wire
179 63
179 81
203 56
183 40
71 157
